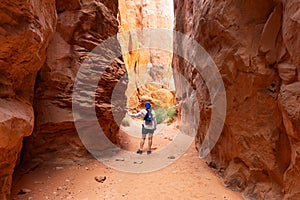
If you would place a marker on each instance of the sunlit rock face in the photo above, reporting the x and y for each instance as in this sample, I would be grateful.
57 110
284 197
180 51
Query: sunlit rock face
255 45
139 15
81 26
25 31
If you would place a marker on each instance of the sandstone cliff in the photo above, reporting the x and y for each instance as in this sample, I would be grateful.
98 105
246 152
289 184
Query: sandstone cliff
42 46
254 44
81 27
144 82
25 31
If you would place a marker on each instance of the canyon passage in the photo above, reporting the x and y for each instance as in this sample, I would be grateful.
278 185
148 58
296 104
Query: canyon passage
224 68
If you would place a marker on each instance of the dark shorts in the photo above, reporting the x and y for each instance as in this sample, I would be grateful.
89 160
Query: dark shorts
146 131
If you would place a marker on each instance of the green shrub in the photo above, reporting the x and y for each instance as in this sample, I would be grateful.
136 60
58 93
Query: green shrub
165 112
125 122
171 112
160 114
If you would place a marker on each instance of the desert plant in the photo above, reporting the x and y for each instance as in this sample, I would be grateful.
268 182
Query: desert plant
165 112
125 122
160 114
171 113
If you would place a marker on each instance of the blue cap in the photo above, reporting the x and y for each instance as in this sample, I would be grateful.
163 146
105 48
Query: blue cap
147 105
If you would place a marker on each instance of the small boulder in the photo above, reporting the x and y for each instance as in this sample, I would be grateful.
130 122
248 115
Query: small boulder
100 179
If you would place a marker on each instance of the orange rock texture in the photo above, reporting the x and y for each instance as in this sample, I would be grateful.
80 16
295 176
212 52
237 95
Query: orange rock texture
255 46
25 31
80 28
139 15
43 43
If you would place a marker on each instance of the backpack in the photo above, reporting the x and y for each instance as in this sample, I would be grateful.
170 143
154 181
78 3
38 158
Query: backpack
148 117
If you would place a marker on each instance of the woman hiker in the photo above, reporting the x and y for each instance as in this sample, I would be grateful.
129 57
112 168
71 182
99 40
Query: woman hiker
148 126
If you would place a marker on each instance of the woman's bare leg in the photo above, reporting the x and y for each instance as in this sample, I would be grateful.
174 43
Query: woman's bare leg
142 141
150 136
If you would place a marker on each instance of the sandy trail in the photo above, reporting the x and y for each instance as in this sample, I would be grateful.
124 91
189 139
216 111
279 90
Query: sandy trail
187 178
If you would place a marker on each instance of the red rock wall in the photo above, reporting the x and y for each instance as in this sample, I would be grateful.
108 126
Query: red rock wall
25 31
255 46
81 26
43 43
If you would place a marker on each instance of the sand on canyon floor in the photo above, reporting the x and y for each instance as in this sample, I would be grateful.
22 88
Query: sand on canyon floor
187 177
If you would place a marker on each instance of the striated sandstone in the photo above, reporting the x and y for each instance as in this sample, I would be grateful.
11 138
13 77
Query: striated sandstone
81 26
255 46
136 14
287 72
290 107
25 30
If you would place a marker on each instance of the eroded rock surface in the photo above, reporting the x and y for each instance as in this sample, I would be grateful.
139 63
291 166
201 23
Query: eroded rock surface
135 16
255 47
43 44
81 26
25 31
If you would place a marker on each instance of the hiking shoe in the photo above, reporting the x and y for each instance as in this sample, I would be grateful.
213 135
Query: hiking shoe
139 151
148 152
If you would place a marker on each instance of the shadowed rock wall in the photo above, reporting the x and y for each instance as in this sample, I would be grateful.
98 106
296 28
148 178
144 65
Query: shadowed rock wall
81 26
43 43
255 46
25 31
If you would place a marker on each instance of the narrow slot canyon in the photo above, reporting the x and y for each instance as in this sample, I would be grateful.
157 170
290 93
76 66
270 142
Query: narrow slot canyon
223 78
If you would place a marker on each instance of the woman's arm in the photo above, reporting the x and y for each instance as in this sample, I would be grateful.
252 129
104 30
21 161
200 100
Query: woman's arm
137 114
